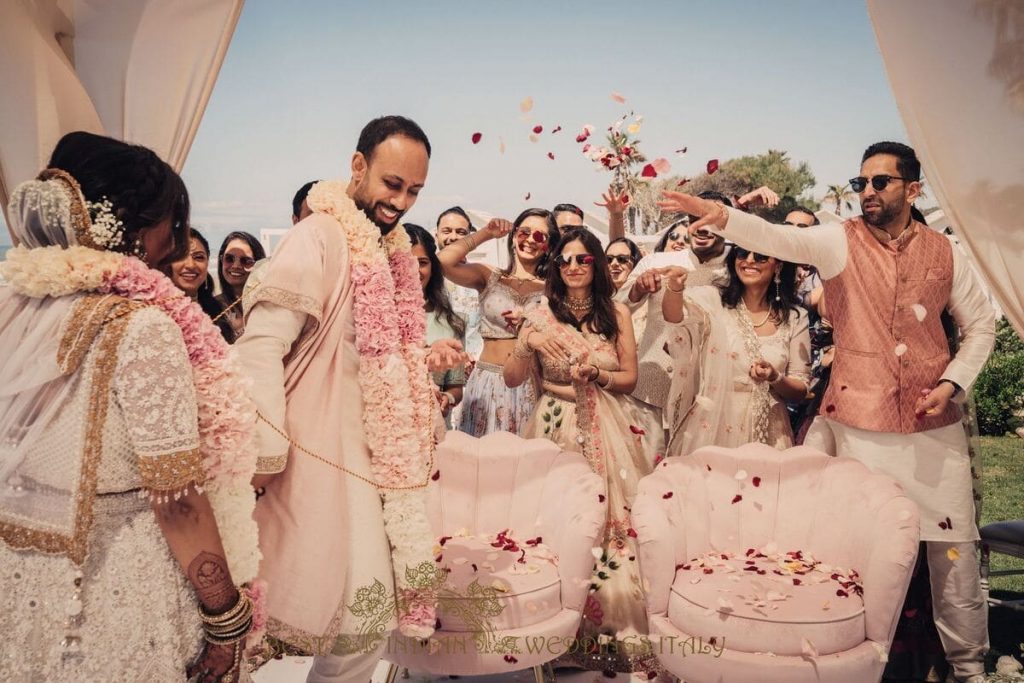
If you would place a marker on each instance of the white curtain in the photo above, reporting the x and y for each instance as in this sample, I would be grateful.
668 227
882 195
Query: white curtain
138 70
957 70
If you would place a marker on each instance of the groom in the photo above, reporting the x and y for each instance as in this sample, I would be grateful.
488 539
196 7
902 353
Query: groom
335 347
892 399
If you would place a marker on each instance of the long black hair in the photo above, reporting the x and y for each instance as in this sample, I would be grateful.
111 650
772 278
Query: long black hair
205 298
601 319
554 236
435 293
732 290
634 251
663 240
258 254
142 188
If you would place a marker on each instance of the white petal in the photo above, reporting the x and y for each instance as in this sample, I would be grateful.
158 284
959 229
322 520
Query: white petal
807 648
460 560
883 656
725 604
695 580
919 312
900 349
741 475
770 549
534 137
775 596
623 473
596 552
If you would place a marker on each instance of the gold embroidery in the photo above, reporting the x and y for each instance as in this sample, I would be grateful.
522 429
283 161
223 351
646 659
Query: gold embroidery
75 545
172 471
271 464
287 299
79 214
88 315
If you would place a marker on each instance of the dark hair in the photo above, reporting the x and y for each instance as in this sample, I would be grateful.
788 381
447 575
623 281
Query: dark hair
143 189
804 209
380 129
916 214
907 164
435 293
571 208
715 197
257 253
300 197
634 251
732 290
663 240
601 319
553 239
207 301
459 211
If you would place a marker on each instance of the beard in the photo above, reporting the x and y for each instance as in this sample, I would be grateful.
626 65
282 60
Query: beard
370 210
884 214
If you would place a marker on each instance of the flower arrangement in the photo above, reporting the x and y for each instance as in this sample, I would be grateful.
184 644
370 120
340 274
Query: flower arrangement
106 230
621 154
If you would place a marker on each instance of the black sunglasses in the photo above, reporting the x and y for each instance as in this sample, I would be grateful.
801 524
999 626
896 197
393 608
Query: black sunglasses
536 235
563 261
247 262
742 254
621 259
879 182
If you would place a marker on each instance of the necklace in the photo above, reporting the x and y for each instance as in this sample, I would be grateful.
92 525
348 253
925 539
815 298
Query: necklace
764 322
577 305
521 279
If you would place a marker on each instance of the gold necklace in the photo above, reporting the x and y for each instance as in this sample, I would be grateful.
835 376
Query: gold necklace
764 322
579 305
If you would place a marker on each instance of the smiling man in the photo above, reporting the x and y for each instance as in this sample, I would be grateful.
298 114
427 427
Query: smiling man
892 402
320 514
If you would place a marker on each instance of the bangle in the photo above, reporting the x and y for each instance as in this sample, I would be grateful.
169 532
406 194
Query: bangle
597 374
606 385
231 626
677 291
522 348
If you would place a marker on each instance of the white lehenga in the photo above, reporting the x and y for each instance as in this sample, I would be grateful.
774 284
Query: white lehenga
724 406
138 615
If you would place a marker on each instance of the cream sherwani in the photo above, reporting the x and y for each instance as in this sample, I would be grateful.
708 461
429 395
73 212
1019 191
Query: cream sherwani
932 464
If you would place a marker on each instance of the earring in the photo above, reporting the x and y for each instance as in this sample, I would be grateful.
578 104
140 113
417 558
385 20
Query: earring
138 249
778 280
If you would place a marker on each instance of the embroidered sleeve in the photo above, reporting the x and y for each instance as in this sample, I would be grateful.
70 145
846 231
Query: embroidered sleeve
154 387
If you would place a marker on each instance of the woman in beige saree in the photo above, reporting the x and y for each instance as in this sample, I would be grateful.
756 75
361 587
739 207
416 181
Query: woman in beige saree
582 346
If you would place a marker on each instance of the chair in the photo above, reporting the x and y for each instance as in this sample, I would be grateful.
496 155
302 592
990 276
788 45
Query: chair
773 566
516 522
1006 538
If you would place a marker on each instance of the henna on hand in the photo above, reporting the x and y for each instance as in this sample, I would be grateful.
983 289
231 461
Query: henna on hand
211 579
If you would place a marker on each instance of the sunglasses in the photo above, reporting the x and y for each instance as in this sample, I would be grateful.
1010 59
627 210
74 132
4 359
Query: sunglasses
879 182
564 261
246 262
797 225
621 259
536 235
674 236
742 254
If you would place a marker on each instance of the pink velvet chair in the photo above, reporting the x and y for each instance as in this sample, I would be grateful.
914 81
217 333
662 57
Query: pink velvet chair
518 518
776 567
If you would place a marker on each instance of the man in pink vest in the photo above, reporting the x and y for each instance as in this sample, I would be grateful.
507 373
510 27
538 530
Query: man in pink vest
893 402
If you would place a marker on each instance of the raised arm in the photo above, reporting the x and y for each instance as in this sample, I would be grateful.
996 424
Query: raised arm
616 203
453 257
823 246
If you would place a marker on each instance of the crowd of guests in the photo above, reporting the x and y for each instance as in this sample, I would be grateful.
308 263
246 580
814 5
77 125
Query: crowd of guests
624 356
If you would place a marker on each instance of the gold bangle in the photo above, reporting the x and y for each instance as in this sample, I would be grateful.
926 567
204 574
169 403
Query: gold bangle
228 615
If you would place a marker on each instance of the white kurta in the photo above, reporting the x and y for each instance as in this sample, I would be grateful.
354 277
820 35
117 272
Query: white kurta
932 466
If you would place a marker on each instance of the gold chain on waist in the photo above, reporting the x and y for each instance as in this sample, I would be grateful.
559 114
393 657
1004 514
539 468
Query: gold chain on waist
369 481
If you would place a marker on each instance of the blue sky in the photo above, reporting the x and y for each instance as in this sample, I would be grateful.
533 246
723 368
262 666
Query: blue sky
724 79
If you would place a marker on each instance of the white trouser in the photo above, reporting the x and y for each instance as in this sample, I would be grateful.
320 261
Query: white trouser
958 605
357 667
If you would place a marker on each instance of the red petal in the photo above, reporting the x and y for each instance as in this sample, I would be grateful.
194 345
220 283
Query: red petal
538 129
662 166
649 171
636 430
843 388
709 570
618 98
756 481
535 541
682 182
667 495
830 408
557 128
444 539
712 166
473 566
737 498
709 467
582 137
841 593
527 197
797 582
631 532
476 137
436 475
551 155
681 151
510 659
600 498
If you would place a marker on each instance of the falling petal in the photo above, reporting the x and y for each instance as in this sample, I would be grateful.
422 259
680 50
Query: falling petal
883 654
919 312
538 129
649 171
682 182
499 586
662 166
597 552
551 155
476 137
631 532
600 498
681 151
740 475
618 98
501 145
633 128
756 481
436 475
900 349
526 105
556 129
726 604
830 408
666 496
527 197
826 605
737 498
712 166
953 554
534 137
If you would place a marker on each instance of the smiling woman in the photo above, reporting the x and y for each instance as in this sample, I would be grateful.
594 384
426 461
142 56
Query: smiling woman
238 255
192 275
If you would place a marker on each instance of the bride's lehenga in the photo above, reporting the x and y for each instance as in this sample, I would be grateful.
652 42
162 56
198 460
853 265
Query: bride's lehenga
597 424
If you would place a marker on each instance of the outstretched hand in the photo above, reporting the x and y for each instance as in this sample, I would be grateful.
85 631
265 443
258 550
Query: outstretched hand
763 195
445 354
709 212
497 228
615 202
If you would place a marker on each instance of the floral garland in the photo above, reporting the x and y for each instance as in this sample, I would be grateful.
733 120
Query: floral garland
398 403
226 414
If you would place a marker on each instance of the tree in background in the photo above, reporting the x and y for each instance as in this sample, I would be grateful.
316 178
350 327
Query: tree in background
999 391
734 178
840 195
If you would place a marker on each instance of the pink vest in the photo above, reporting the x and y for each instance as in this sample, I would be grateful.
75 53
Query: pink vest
885 356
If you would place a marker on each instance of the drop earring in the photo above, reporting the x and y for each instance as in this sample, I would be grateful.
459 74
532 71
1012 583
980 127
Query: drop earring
778 280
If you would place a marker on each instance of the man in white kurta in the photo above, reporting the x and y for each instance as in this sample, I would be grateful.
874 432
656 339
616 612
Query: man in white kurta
887 279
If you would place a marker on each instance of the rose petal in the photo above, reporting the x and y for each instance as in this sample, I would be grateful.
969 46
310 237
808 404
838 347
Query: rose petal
618 98
551 155
538 129
501 145
476 137
631 532
649 171
526 105
830 408
737 498
600 498
756 481
681 151
633 128
740 475
682 182
534 137
556 129
900 349
953 554
712 166
726 604
636 430
526 197
436 475
919 312
662 166
666 496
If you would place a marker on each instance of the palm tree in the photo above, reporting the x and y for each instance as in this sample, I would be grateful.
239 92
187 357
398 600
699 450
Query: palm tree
840 195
